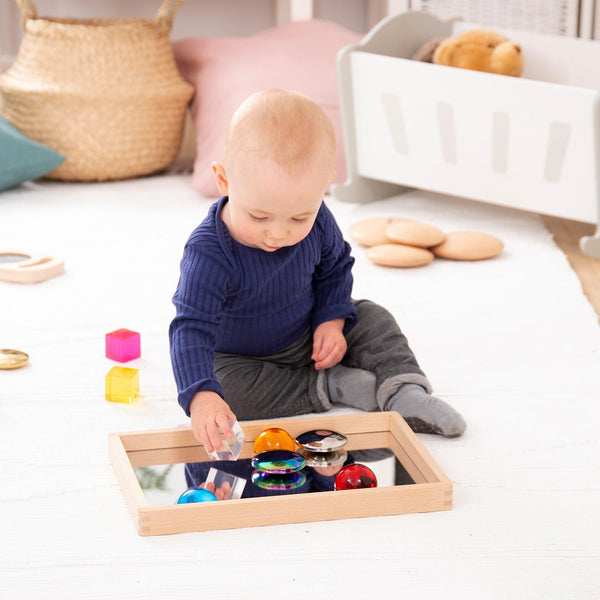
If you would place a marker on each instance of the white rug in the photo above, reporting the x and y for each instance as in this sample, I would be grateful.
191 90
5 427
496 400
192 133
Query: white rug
512 343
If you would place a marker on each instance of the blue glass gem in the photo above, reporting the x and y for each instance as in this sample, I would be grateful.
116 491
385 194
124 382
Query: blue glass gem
278 482
196 495
278 461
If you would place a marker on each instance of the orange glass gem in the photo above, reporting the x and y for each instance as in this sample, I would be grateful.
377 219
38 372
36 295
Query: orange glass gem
273 439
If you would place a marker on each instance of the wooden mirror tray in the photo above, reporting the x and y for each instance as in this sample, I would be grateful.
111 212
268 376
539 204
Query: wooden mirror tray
431 490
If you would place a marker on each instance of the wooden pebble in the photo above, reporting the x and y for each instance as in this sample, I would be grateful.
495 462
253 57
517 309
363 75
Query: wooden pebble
371 232
414 233
399 255
468 245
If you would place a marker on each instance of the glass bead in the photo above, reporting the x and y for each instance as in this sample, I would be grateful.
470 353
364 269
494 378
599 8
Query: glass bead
354 477
122 345
196 495
231 448
278 461
325 459
321 440
122 384
229 486
273 439
278 482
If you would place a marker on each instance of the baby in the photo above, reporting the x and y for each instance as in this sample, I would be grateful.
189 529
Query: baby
265 325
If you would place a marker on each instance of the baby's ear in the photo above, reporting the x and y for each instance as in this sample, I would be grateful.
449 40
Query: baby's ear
221 178
443 53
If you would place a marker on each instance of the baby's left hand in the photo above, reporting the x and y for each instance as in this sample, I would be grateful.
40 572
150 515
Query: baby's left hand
329 344
221 493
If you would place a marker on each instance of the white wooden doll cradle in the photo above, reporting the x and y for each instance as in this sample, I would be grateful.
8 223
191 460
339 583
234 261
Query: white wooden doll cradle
531 143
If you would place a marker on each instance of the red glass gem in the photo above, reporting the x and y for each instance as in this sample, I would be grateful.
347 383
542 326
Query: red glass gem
354 477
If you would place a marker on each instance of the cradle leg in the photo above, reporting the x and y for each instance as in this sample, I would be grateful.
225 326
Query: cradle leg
590 244
362 189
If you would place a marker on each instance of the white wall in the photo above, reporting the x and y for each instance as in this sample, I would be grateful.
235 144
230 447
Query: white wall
244 17
194 17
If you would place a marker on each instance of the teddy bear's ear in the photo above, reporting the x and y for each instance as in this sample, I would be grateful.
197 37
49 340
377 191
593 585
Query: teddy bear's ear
425 52
443 53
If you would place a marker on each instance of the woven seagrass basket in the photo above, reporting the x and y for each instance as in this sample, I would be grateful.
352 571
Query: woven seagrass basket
104 93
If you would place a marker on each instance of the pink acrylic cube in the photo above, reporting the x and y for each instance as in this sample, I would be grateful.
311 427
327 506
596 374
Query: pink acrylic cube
123 345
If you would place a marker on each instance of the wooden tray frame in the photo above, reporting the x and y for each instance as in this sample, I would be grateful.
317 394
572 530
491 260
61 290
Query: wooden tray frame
431 491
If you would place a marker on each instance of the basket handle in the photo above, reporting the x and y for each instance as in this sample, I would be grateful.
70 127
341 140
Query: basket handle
166 12
28 10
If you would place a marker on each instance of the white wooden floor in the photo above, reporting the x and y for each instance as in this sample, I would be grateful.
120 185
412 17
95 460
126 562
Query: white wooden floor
511 343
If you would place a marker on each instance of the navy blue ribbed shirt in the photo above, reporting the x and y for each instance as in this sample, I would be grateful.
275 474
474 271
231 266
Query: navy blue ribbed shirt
242 300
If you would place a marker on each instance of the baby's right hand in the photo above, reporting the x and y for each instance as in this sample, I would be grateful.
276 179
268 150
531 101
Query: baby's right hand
209 412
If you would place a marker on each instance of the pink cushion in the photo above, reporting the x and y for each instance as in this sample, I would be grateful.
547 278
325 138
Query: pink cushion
300 56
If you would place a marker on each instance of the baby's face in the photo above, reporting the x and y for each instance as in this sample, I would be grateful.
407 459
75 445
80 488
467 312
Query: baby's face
268 207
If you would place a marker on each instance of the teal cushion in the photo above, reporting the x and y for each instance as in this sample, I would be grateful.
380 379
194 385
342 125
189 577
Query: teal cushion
22 159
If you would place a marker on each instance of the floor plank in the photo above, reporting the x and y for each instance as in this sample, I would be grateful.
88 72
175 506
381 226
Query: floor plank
567 234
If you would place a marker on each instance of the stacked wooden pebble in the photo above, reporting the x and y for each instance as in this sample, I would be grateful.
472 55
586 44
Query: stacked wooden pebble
399 242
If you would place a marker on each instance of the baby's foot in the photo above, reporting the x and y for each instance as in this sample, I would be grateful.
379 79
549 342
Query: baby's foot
352 387
425 413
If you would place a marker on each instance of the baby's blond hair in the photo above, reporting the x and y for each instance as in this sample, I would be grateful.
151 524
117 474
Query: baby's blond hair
284 126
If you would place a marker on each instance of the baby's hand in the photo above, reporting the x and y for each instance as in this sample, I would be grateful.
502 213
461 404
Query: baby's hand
329 344
209 412
221 493
328 471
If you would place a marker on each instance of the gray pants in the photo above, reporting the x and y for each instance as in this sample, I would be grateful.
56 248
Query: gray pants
286 383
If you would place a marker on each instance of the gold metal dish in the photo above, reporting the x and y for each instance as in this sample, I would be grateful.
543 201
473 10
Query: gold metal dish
12 359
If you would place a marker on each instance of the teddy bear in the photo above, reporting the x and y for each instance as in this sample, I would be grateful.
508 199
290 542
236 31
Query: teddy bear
476 49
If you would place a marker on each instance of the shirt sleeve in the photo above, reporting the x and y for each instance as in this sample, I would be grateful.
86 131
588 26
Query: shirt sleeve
332 281
192 335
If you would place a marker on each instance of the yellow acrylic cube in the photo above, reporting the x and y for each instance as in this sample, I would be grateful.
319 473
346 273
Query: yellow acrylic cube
122 384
